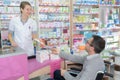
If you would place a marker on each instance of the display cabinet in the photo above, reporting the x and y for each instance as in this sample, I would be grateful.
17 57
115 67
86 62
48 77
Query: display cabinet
85 21
94 17
8 10
63 22
110 21
53 21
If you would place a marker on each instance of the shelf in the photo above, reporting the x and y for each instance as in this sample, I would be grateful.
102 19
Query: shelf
9 13
54 13
113 48
105 5
118 25
5 19
9 5
86 5
113 29
6 47
2 29
52 27
108 36
87 30
113 42
97 5
53 5
52 38
53 21
93 14
86 23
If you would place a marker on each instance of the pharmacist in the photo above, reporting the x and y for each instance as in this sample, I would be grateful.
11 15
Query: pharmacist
23 29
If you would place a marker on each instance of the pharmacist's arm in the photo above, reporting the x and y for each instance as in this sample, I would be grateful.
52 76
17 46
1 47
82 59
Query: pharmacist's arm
34 35
13 43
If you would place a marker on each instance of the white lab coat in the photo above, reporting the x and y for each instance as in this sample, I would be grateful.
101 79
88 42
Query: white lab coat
23 33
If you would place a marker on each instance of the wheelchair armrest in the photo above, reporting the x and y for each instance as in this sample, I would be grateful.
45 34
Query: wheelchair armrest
75 64
100 75
108 74
76 69
107 62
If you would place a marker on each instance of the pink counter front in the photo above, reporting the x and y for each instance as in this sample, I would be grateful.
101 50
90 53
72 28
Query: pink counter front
13 67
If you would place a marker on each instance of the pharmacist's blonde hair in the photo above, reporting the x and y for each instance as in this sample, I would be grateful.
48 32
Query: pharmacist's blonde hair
23 4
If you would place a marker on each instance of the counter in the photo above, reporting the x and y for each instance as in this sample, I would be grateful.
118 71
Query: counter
11 52
13 64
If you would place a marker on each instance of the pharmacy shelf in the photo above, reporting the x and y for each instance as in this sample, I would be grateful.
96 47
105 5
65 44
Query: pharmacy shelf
8 10
54 22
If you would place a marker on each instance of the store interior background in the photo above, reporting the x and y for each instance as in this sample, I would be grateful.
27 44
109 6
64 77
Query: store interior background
68 23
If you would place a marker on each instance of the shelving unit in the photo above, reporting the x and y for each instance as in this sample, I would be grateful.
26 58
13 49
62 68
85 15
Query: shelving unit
85 19
110 21
54 22
73 21
94 17
8 10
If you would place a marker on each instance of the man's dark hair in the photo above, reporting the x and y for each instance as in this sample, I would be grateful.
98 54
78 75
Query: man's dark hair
98 43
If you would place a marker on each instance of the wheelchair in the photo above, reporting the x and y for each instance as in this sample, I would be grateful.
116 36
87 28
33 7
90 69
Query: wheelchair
101 75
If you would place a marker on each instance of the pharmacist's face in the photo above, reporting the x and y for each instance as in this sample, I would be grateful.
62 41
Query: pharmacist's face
27 10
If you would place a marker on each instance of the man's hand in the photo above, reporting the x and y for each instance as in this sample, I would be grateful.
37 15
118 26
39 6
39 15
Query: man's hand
62 72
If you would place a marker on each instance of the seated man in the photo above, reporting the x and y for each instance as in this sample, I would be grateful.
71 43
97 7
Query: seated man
91 63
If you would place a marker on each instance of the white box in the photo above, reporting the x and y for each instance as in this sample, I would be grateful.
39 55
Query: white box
42 56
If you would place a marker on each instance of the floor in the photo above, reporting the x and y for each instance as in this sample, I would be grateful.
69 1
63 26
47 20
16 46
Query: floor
116 76
42 77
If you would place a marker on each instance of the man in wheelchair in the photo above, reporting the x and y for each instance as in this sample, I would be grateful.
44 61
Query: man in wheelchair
92 63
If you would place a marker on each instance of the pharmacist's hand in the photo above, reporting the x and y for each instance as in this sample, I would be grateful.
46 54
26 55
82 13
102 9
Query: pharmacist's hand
63 71
42 43
14 44
55 51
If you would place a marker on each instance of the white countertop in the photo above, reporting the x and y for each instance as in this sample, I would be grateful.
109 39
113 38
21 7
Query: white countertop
9 52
